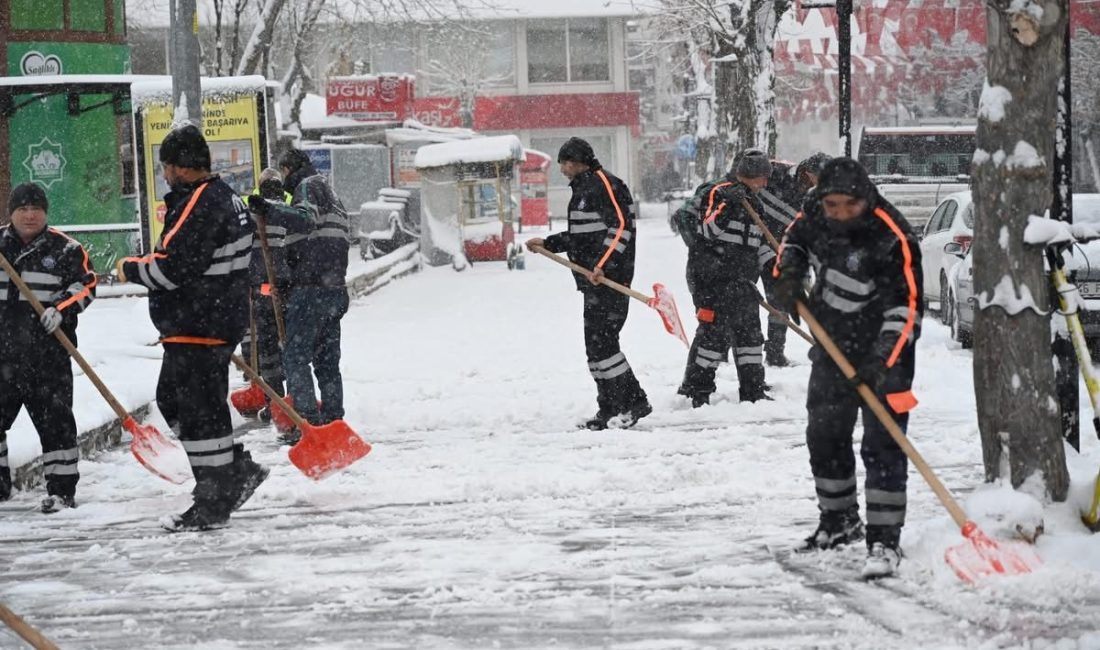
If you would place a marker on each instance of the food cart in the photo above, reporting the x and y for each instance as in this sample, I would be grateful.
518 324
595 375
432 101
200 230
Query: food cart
467 210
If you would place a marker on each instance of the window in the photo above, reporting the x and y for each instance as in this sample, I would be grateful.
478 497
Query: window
601 144
568 51
936 221
968 216
87 15
949 215
38 14
474 56
393 50
124 127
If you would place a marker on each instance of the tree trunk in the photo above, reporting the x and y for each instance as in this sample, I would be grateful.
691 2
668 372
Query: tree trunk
260 41
1013 371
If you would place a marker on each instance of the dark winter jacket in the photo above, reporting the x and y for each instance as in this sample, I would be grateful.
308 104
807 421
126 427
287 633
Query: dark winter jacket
781 198
278 222
317 242
602 227
198 274
730 246
869 292
56 268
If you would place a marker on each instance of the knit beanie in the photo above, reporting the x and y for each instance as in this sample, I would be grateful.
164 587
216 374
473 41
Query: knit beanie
753 163
185 147
28 194
845 176
577 150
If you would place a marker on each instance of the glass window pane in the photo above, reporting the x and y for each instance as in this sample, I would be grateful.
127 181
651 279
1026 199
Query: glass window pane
87 15
601 145
588 51
468 55
37 14
546 51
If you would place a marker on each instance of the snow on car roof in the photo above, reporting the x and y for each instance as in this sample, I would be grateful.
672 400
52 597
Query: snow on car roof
478 150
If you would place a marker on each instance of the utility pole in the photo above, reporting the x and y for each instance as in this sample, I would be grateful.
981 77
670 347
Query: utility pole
1066 387
184 62
844 66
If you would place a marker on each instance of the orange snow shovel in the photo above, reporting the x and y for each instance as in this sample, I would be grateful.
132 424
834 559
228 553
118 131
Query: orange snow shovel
324 449
248 401
662 300
153 449
980 556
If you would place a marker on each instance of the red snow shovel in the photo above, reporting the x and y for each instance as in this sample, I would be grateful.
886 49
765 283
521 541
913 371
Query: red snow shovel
979 556
153 449
662 300
248 401
324 449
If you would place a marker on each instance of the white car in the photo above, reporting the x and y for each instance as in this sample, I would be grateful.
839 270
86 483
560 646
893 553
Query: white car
952 221
1083 263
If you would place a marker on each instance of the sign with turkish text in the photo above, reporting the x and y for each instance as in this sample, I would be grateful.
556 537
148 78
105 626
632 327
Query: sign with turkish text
371 98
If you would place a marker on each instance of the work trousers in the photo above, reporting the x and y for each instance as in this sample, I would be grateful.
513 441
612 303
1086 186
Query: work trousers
728 314
191 394
313 342
267 338
42 382
832 404
617 389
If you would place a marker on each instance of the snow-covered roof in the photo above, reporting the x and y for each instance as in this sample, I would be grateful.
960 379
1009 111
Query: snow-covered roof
314 114
479 150
160 88
414 131
77 79
921 130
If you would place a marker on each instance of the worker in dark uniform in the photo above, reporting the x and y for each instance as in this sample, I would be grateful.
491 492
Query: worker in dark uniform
602 236
782 199
35 372
724 263
198 300
868 298
276 220
317 254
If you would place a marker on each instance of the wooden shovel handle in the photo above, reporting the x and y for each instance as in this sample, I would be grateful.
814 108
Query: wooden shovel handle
255 377
63 339
269 267
884 417
24 630
580 270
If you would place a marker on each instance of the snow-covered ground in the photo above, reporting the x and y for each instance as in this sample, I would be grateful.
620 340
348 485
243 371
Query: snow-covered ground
484 518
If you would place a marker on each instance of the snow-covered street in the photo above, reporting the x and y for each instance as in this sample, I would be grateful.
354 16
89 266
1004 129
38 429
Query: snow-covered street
483 518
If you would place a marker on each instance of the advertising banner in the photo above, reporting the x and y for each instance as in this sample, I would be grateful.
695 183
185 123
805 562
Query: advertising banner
367 98
232 129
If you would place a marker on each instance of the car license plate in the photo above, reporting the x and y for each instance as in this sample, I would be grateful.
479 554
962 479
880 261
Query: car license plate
1089 289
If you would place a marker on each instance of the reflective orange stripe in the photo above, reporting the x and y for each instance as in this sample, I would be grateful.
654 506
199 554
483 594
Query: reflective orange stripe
705 315
265 289
618 212
183 217
782 245
712 213
910 279
902 402
87 290
193 340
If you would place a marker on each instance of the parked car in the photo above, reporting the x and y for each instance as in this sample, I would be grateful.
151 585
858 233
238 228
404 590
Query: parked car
1083 264
952 221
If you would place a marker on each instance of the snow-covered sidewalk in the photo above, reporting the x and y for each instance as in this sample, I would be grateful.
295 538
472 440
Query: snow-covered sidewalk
483 518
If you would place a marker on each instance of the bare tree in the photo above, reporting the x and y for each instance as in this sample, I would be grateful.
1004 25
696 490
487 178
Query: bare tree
1013 372
459 64
739 36
229 17
260 41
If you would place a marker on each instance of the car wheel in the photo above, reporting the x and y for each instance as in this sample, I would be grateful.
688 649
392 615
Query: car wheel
944 300
957 332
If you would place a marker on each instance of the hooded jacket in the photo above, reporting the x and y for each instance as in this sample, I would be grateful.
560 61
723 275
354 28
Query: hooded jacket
318 241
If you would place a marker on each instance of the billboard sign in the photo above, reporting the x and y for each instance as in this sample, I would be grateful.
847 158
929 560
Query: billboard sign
371 97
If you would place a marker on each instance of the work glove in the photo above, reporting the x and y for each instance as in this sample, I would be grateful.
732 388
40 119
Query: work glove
786 294
50 319
119 274
258 205
871 372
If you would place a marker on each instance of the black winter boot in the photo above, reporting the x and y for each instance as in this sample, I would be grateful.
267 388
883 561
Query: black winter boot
247 476
835 528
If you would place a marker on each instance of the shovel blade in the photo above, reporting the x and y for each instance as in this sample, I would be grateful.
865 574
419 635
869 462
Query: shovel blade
327 449
665 305
980 557
248 401
157 453
282 421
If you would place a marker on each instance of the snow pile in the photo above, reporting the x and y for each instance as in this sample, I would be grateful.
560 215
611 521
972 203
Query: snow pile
501 148
991 106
